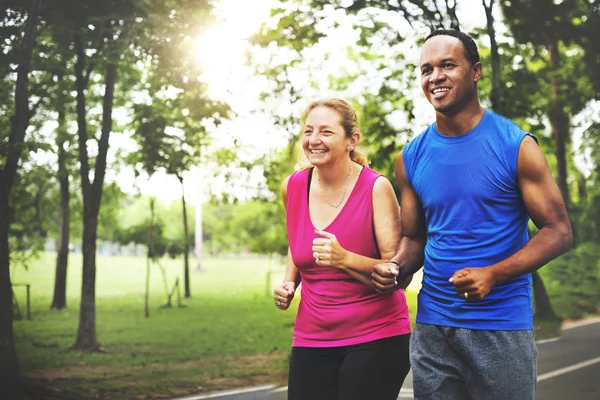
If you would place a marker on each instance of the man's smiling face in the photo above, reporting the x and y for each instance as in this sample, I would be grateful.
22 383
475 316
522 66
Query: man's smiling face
448 79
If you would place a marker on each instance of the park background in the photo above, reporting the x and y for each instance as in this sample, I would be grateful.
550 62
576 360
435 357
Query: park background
144 143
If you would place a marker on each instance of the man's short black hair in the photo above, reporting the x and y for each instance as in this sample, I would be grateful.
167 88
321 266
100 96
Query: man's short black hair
471 52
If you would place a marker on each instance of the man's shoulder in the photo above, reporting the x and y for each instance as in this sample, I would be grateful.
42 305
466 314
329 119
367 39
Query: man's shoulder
417 139
508 129
506 124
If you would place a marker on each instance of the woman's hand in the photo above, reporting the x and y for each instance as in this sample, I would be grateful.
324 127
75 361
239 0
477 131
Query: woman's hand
386 278
328 252
283 294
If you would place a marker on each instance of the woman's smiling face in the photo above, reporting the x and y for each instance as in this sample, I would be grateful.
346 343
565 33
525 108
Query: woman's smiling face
324 138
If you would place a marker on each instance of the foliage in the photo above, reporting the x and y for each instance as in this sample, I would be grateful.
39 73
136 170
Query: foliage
139 234
574 279
260 226
108 217
215 229
171 109
588 225
255 226
32 201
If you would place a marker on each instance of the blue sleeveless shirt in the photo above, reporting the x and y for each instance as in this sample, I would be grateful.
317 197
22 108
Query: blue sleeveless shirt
475 217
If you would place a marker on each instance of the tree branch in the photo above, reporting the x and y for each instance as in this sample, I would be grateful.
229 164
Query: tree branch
95 57
107 107
20 119
82 135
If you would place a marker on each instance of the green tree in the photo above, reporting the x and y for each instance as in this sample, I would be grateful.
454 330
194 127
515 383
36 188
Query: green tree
65 161
172 131
215 227
551 25
9 366
98 33
575 278
260 227
31 201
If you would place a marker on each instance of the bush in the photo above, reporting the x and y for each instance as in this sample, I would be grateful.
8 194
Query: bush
573 281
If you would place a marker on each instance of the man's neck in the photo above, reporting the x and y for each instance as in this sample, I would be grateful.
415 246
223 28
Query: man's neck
459 123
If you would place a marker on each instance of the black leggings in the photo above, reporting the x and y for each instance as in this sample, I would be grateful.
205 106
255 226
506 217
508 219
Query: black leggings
366 371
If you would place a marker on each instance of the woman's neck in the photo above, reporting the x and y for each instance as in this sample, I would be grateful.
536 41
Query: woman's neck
336 174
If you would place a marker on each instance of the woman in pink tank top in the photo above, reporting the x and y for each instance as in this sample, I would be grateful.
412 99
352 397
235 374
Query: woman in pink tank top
342 219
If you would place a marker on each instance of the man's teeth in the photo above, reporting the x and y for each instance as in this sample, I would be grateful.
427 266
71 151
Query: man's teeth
318 151
439 90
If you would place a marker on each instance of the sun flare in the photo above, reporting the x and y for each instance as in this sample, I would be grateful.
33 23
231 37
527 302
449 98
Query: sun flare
221 48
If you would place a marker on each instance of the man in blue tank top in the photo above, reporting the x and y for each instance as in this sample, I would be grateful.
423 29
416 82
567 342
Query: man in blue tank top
469 184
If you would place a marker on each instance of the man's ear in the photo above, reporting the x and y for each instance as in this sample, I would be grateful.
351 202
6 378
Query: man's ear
477 70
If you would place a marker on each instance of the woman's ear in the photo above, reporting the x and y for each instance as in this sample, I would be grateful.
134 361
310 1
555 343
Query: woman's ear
354 139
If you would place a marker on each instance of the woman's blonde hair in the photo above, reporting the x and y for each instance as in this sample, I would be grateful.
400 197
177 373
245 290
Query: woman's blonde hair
349 121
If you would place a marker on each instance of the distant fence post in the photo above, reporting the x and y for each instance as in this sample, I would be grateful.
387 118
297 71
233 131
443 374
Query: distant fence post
28 305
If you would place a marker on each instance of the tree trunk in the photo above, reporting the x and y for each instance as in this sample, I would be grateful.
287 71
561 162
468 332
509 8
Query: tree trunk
59 301
86 333
149 255
496 97
9 364
186 245
543 307
559 121
92 196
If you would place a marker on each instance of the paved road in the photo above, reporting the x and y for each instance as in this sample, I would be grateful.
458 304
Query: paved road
568 368
579 347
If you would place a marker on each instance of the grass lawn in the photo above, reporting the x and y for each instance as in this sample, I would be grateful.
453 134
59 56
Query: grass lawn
227 335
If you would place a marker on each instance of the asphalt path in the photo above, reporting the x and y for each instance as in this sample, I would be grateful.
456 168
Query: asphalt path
568 368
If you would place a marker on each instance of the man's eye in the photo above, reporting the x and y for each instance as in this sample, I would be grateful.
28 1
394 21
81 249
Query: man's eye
425 71
307 132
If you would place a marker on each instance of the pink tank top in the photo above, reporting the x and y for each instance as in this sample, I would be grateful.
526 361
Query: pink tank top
336 309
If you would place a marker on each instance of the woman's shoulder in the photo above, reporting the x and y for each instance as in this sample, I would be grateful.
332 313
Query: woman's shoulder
297 177
371 175
299 174
379 182
382 186
294 180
